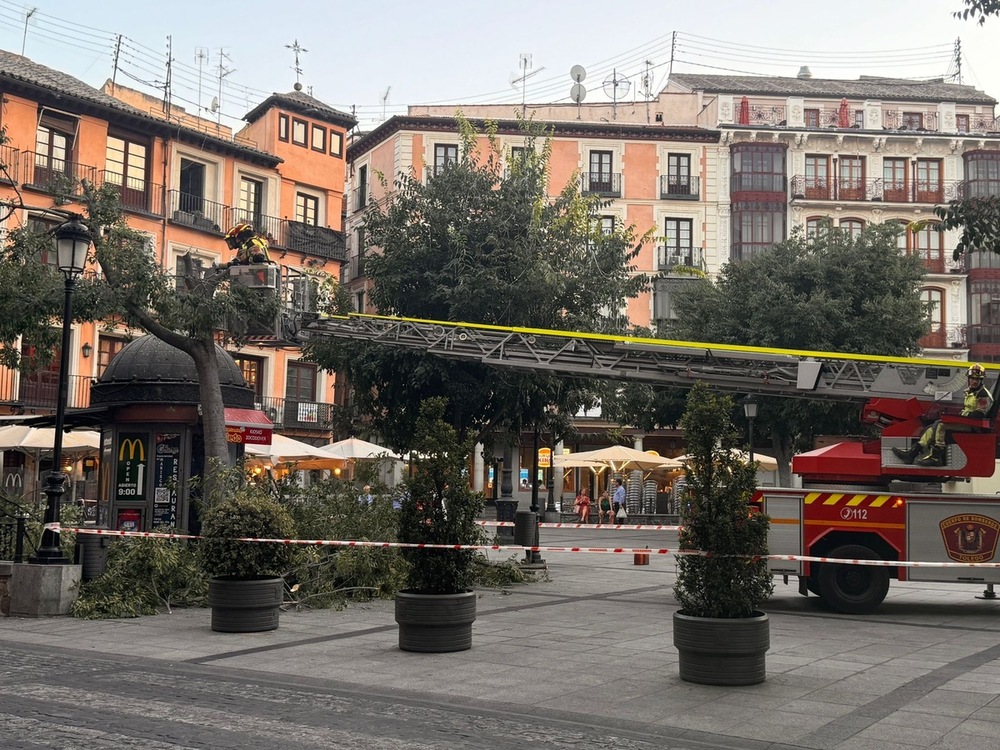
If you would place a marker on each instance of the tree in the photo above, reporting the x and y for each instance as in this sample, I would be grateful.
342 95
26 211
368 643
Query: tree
479 244
126 286
978 10
829 293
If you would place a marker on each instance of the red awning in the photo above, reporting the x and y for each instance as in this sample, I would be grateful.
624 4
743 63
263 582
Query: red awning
248 426
247 418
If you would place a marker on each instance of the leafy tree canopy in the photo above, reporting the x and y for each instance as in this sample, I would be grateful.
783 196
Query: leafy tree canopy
482 241
829 293
978 10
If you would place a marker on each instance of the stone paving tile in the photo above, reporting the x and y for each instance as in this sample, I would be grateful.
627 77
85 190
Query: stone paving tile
907 735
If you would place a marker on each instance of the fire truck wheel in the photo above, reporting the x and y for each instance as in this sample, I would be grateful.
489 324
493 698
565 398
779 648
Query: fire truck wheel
852 589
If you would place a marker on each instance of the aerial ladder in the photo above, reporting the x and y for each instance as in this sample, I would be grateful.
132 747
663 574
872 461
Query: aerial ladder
860 501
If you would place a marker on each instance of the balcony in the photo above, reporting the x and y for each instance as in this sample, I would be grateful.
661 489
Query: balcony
136 196
55 176
919 122
849 189
984 124
39 392
669 258
680 187
949 337
10 162
605 184
296 414
196 212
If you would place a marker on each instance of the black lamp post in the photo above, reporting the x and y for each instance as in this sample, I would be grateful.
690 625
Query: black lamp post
750 412
72 245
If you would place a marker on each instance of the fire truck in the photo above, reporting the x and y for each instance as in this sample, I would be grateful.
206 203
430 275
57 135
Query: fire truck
859 501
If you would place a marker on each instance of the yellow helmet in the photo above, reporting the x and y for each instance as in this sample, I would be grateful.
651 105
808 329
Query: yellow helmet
977 371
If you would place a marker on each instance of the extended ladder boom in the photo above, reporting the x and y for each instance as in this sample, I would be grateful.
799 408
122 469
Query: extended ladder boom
778 372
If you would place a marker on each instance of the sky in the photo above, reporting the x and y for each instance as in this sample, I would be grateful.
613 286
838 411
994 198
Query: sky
375 57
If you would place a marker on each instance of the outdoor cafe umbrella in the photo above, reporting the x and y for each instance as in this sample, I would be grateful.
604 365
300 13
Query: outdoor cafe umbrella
764 462
623 458
286 450
354 449
26 438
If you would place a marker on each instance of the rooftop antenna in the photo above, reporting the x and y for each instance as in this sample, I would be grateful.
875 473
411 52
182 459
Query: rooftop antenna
524 63
217 102
24 38
647 86
616 87
577 92
297 48
384 99
200 58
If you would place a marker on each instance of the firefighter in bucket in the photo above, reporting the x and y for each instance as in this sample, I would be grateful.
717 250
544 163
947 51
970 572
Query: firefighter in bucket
250 246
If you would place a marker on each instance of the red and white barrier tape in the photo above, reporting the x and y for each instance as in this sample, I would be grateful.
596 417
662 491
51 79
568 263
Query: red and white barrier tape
543 548
595 526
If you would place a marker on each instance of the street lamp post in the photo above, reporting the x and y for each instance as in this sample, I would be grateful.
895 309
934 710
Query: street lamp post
72 245
750 412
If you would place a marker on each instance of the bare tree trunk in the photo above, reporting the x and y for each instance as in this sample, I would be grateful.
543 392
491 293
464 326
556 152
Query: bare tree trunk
213 419
782 446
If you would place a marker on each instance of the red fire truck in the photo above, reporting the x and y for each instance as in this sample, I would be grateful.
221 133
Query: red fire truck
858 500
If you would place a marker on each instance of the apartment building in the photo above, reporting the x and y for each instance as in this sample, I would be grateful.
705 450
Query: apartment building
184 182
801 152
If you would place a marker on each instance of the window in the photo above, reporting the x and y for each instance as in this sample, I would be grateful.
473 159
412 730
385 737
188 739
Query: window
894 180
913 121
679 174
756 227
928 245
933 298
665 292
53 148
188 268
299 128
107 348
600 167
445 155
982 174
758 168
253 372
817 177
605 225
38 225
125 167
859 118
251 200
361 191
319 139
283 127
192 186
927 179
336 143
962 123
852 227
307 209
851 178
677 235
817 227
300 384
812 118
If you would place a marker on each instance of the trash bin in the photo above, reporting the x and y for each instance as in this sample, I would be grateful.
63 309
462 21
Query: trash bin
92 553
506 509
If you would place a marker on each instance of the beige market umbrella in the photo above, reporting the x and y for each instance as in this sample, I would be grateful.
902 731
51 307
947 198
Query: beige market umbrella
623 458
23 437
572 461
286 450
763 461
354 449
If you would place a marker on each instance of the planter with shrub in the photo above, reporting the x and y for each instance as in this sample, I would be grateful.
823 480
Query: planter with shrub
720 633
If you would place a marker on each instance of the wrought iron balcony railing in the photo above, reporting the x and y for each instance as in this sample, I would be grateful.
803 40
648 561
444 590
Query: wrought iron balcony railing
57 176
39 392
297 414
680 187
607 184
10 159
137 196
197 212
850 189
897 119
669 258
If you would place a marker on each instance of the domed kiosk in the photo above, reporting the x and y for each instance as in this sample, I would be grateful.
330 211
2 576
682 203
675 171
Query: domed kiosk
152 442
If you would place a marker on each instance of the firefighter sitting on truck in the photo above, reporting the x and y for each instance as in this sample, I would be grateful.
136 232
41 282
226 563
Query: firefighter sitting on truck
930 449
250 246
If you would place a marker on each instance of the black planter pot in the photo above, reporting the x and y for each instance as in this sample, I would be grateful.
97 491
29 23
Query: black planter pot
722 650
241 605
435 623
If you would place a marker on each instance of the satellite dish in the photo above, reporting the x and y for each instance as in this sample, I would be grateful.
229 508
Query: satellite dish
578 92
616 87
215 104
515 80
577 73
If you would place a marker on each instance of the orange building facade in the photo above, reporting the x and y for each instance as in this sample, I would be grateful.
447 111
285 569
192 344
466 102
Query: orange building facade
183 182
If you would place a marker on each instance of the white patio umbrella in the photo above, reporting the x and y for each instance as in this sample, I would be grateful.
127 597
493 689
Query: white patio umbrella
354 449
572 461
23 437
764 462
286 450
623 458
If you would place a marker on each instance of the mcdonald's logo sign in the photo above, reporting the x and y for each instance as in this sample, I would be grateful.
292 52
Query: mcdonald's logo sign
132 446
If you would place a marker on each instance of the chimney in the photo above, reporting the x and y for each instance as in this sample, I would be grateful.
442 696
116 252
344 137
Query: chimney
804 72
